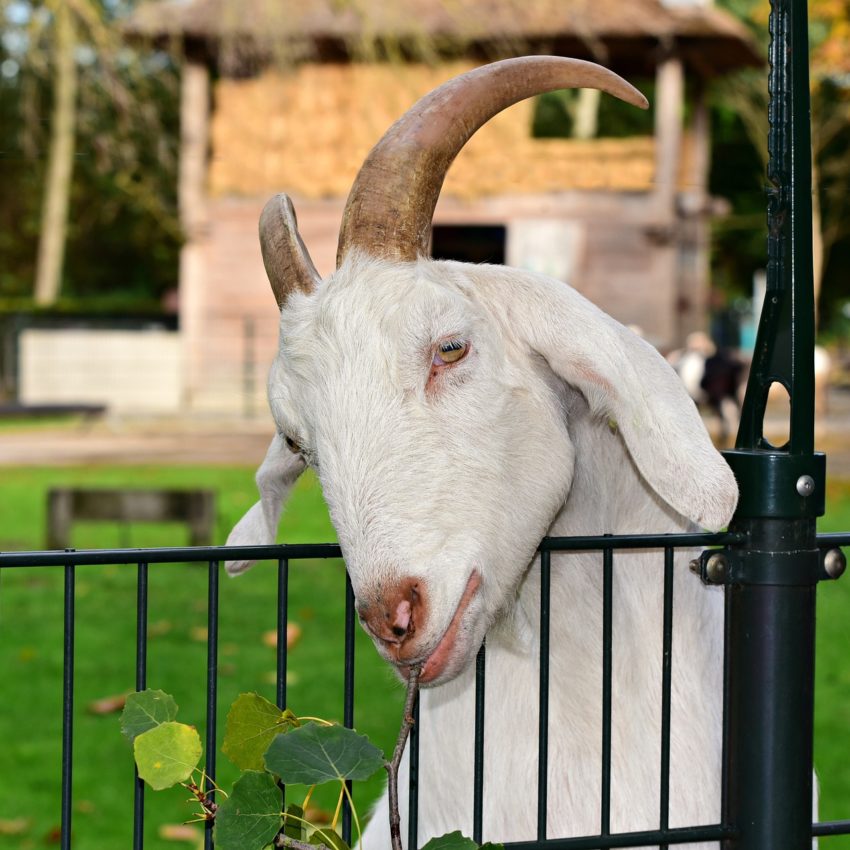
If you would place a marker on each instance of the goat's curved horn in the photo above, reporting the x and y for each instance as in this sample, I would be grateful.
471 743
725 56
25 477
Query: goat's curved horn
392 202
285 256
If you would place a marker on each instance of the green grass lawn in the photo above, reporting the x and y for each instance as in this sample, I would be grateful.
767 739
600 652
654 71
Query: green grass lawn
31 654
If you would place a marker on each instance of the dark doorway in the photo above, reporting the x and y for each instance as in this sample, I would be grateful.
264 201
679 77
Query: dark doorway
472 243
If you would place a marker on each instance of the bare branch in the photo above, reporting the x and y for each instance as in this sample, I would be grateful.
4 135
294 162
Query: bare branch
295 844
392 766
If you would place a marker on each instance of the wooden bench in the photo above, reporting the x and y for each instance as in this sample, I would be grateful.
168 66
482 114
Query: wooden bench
67 505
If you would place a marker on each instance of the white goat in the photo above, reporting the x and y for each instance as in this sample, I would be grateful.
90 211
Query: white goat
455 414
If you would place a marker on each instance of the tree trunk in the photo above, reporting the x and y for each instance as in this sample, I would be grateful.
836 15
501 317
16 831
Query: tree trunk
586 114
57 189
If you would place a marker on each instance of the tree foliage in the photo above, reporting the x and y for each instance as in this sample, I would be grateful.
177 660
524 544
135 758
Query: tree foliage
123 234
741 138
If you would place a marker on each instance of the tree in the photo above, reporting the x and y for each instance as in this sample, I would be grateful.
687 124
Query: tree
57 187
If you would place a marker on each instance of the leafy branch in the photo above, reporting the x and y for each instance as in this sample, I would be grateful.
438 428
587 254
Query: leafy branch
272 748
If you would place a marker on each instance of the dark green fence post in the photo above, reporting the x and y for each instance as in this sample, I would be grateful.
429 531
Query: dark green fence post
771 579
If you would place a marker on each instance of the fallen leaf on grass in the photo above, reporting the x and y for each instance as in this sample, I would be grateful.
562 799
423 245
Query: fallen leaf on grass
180 832
159 628
270 678
108 705
199 633
293 633
18 826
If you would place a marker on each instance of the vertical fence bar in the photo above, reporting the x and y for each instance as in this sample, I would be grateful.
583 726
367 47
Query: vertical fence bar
666 686
282 624
282 645
771 578
413 789
478 780
141 684
212 686
68 707
348 693
543 725
607 654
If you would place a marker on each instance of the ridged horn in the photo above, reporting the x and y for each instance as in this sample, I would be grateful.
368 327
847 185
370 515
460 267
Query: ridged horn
390 207
285 256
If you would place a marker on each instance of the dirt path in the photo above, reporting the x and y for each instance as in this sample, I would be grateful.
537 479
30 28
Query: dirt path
237 441
114 443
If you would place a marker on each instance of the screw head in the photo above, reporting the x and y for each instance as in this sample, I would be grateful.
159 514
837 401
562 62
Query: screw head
715 568
834 563
805 485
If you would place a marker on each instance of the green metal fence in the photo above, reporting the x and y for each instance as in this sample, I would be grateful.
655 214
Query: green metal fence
770 562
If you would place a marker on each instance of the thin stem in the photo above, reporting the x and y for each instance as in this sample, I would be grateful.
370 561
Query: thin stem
295 844
392 766
338 807
318 720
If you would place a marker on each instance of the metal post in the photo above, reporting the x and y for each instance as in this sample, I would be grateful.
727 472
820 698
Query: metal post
771 578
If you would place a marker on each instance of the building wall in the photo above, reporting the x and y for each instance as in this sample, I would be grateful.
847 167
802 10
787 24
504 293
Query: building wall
308 132
586 211
131 372
598 242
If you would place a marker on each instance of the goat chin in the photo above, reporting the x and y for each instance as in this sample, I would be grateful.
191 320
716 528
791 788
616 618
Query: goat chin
608 495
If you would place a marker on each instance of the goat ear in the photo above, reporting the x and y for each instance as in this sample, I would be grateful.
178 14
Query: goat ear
624 379
275 478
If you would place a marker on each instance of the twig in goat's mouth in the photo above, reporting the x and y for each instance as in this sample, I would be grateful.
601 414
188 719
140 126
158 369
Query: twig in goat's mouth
393 765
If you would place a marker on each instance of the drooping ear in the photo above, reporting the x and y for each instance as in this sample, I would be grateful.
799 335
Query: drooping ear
275 478
624 379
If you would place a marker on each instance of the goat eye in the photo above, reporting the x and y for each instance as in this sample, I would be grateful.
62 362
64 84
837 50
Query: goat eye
292 445
450 351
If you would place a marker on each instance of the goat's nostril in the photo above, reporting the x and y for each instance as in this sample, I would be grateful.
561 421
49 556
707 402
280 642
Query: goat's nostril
403 616
394 614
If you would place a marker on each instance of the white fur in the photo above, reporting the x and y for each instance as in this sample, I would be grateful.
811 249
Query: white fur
558 420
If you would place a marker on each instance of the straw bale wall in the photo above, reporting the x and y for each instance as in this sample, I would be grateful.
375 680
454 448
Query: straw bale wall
307 132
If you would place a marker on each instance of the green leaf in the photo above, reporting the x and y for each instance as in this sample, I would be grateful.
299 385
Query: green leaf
167 754
146 710
313 754
328 838
293 822
452 841
249 819
252 724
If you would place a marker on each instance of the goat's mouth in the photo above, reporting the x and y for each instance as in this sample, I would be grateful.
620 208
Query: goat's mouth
443 659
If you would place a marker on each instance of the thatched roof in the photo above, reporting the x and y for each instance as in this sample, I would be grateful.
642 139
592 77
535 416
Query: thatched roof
307 133
623 33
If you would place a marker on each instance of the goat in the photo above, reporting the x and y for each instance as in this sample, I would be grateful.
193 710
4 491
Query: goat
454 415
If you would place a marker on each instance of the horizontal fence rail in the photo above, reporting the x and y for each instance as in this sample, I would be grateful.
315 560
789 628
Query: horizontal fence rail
285 554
